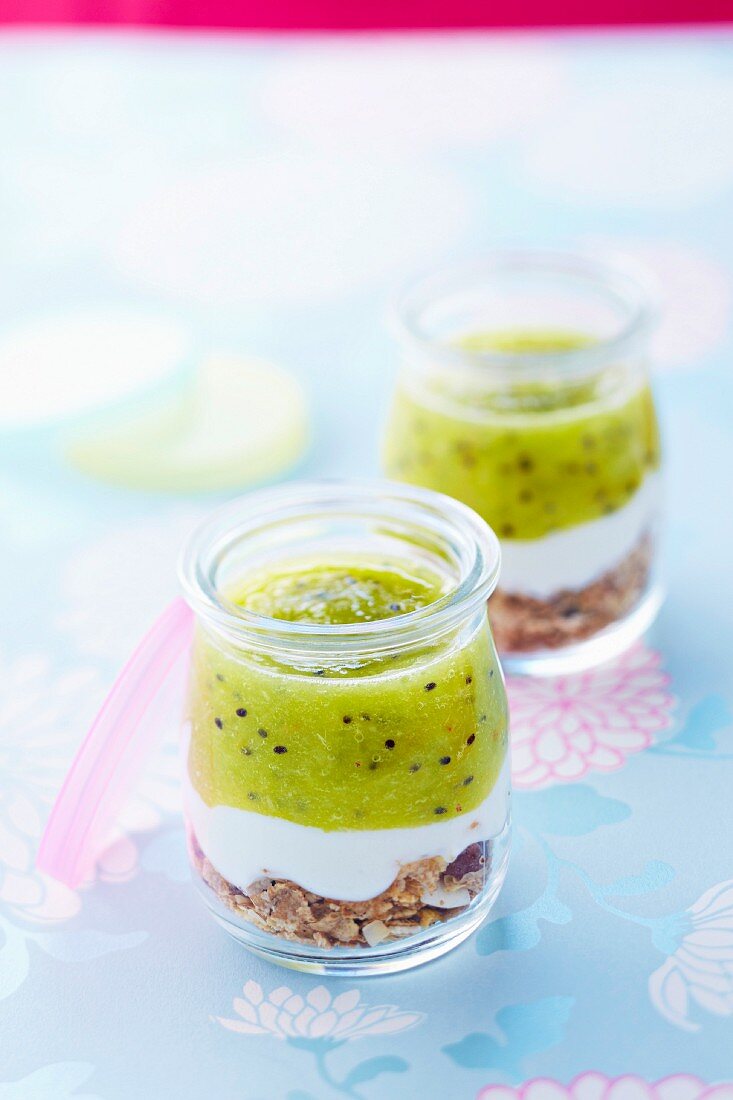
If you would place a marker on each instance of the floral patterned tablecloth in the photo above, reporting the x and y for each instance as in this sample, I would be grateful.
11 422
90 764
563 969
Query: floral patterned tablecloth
267 196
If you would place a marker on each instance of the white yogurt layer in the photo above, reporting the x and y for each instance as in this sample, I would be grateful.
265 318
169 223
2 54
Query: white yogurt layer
349 865
577 556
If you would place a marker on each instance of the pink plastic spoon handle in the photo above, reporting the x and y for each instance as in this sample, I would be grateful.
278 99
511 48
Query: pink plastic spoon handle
112 754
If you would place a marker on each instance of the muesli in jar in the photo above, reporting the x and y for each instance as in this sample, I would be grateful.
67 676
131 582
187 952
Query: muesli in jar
347 779
524 393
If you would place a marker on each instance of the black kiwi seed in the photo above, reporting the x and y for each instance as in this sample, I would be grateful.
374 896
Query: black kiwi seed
507 530
218 722
482 718
469 679
491 673
444 760
220 678
346 719
245 750
279 749
415 767
470 740
389 744
431 686
525 463
467 780
262 733
395 607
440 810
252 796
319 672
366 717
241 712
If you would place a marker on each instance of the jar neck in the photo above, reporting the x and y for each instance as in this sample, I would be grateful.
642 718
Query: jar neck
311 518
523 320
479 395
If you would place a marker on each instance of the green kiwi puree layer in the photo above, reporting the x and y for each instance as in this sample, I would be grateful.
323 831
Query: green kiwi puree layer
364 743
530 458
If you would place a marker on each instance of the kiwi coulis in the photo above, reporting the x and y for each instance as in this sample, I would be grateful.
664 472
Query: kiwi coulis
528 457
410 739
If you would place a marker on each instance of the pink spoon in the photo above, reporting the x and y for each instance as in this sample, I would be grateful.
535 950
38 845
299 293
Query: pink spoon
113 753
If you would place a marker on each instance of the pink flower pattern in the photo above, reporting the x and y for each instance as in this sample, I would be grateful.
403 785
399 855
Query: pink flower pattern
42 716
596 1086
564 727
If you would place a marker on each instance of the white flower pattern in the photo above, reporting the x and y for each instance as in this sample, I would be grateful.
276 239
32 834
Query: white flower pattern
700 971
129 570
661 144
319 1015
37 710
420 99
276 243
43 714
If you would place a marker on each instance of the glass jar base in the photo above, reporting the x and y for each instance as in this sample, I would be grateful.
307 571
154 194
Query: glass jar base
360 962
596 650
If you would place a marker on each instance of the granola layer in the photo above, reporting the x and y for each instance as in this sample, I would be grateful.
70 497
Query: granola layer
423 893
524 623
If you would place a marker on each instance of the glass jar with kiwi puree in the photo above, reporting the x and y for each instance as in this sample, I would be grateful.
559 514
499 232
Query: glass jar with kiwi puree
347 778
524 392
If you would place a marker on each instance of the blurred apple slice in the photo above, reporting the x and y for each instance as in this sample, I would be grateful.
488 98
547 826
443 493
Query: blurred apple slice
58 367
236 423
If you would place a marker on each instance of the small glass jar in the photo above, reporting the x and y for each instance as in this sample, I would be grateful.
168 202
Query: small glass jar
524 393
347 782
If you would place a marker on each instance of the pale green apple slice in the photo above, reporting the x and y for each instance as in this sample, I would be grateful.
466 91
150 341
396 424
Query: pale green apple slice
236 423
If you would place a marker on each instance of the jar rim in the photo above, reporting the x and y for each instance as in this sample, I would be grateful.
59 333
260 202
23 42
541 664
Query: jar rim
231 524
621 279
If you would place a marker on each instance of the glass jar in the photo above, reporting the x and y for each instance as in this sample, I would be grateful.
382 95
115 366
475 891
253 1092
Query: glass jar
347 779
524 393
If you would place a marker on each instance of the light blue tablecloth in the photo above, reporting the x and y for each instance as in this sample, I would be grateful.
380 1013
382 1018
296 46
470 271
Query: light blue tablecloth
269 196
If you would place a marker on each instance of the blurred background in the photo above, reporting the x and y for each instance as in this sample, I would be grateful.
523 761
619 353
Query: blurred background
202 233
